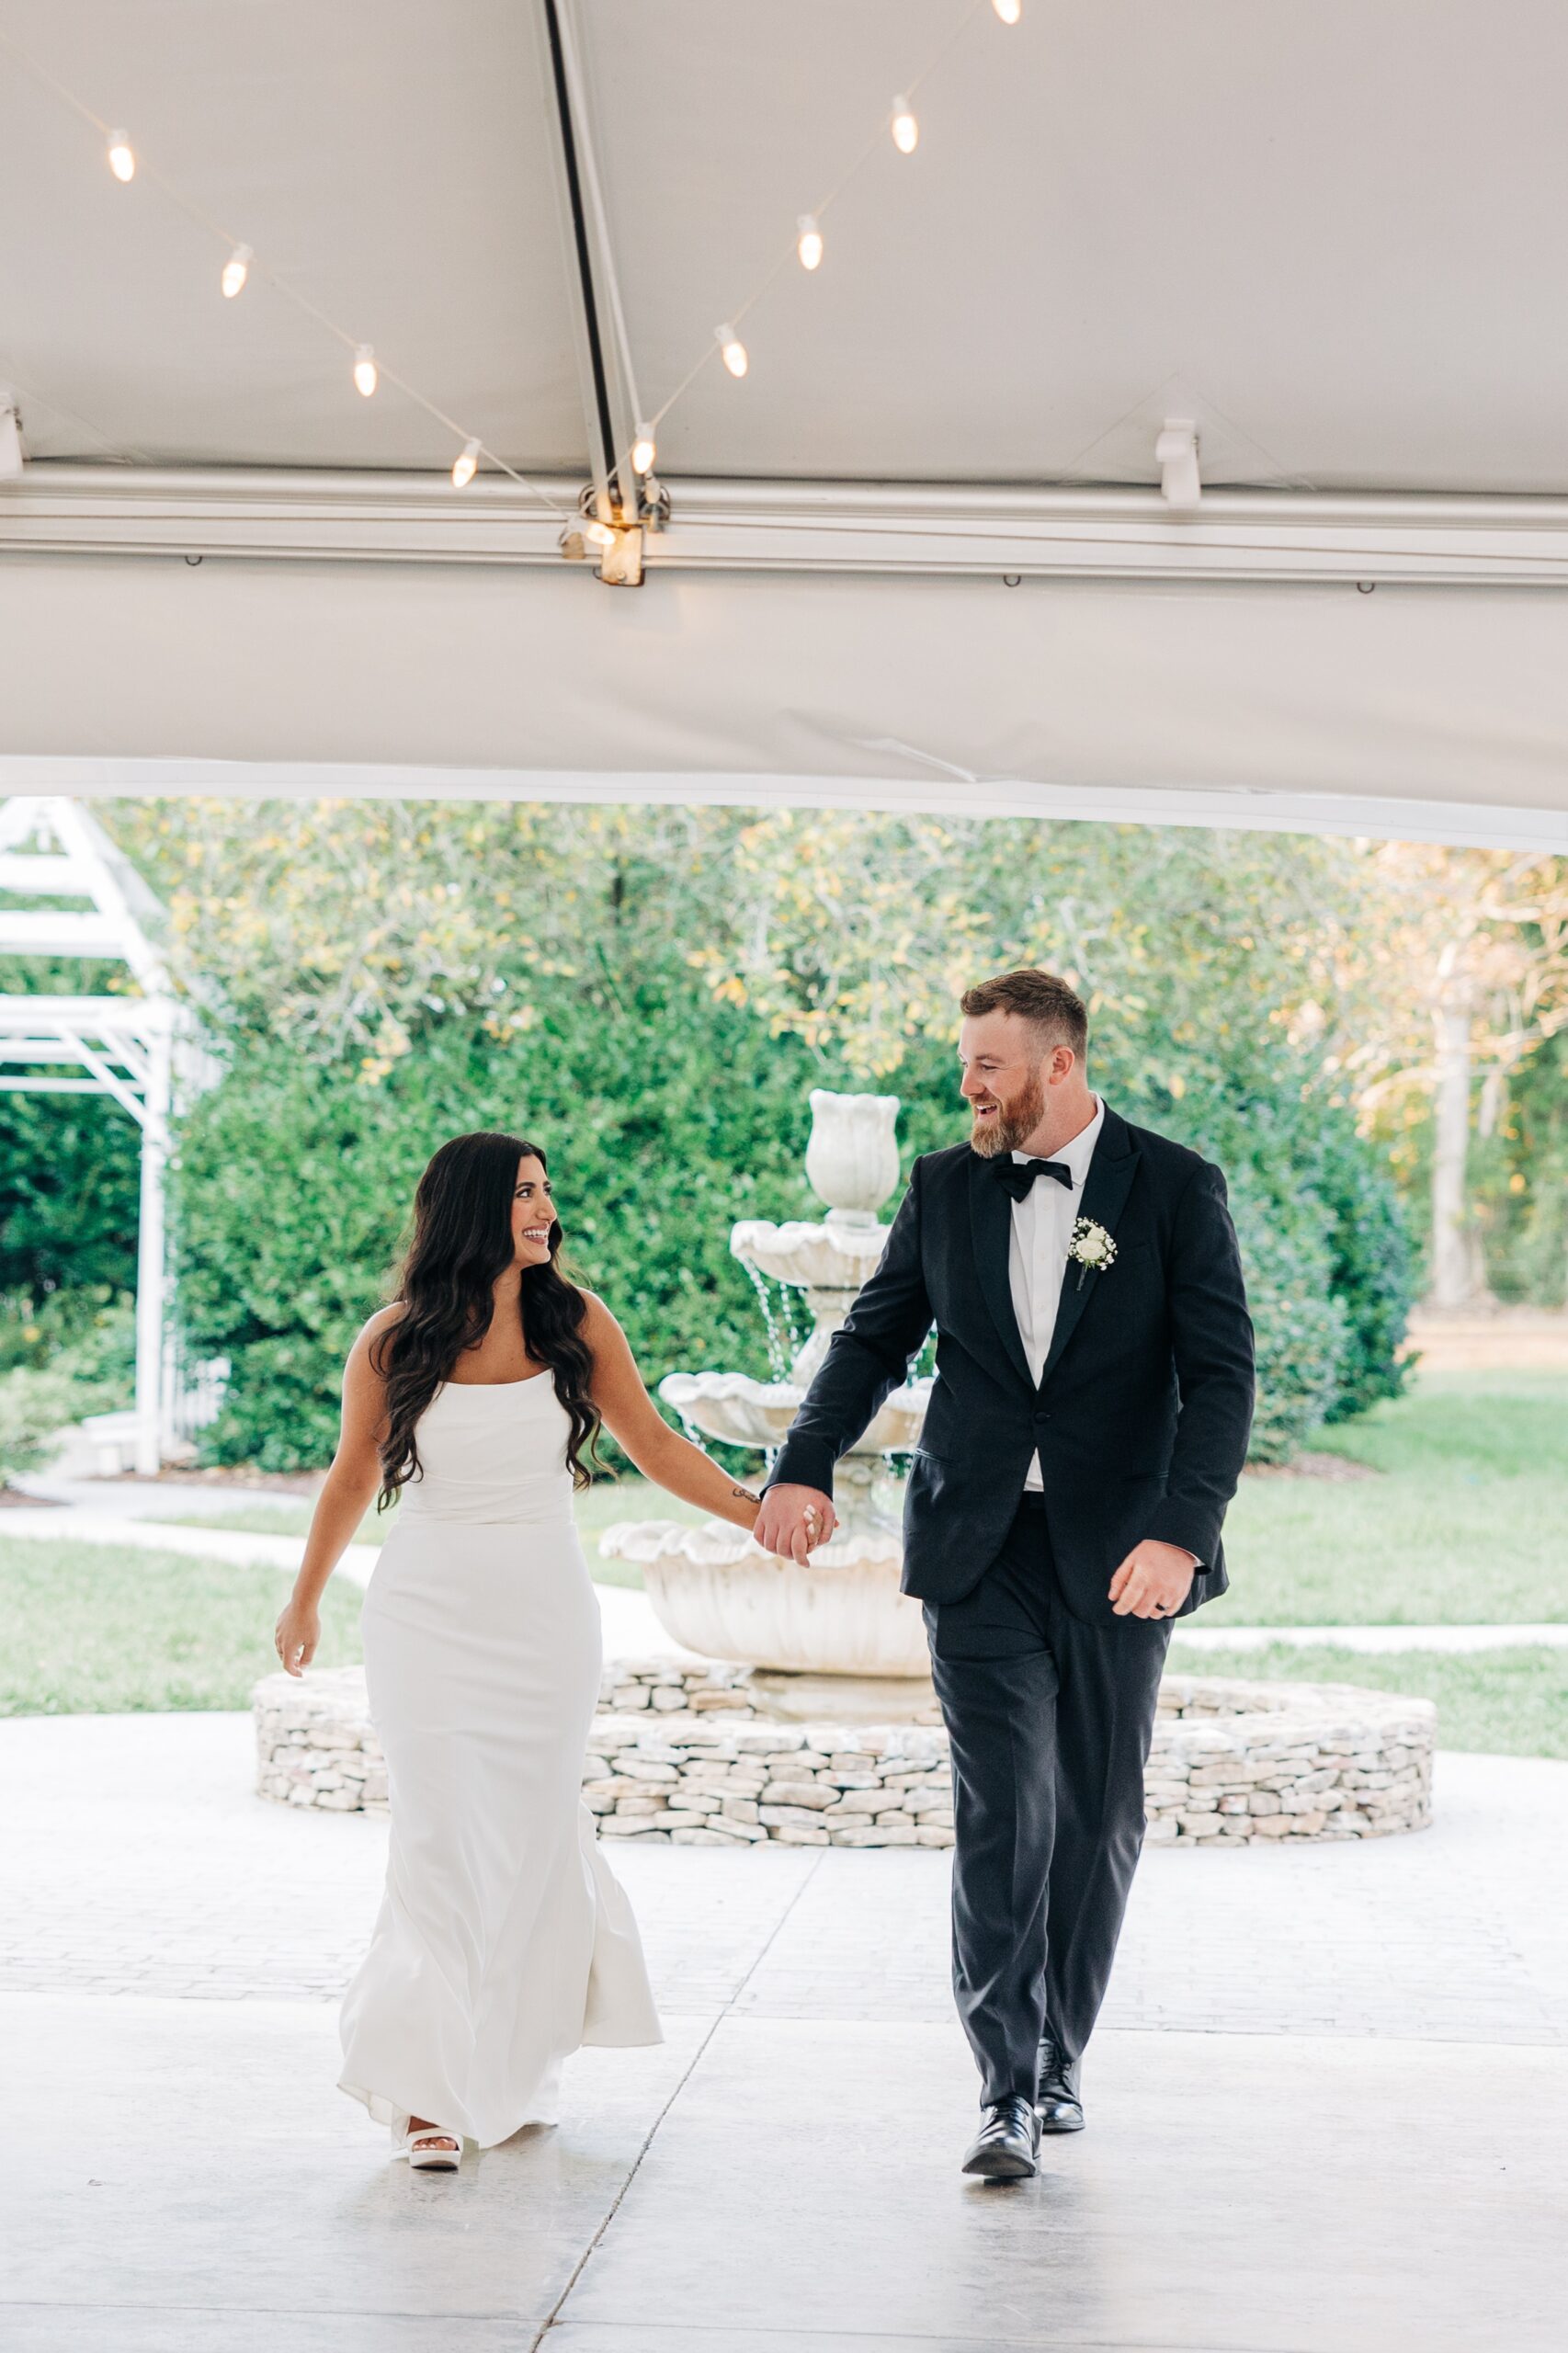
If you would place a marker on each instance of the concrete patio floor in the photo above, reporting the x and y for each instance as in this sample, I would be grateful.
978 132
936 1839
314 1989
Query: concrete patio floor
1329 2102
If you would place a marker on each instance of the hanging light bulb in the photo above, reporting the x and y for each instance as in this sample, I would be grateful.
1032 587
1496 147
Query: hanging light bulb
122 156
643 450
906 130
465 467
732 350
1008 10
236 270
808 245
365 373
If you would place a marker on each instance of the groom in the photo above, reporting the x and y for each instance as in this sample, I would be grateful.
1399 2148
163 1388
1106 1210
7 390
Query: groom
1087 1427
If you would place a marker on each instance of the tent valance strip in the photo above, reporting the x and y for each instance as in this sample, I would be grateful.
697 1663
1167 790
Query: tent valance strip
1416 713
1253 809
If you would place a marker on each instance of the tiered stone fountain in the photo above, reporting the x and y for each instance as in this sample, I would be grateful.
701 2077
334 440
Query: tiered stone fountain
841 1616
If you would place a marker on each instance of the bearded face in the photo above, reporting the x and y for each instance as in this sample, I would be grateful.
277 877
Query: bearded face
1002 1122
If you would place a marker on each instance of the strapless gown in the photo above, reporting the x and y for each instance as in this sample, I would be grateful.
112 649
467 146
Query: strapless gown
504 1940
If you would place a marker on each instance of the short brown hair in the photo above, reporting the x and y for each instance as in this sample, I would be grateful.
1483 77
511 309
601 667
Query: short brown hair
1056 1010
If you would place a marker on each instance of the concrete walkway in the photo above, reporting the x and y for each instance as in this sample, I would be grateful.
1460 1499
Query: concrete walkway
1329 2100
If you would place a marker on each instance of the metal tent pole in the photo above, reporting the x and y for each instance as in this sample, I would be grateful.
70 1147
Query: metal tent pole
150 1256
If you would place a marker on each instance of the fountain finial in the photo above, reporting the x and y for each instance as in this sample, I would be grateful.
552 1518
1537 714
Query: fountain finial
852 1157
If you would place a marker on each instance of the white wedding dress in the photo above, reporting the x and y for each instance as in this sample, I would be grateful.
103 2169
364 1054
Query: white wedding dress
504 1940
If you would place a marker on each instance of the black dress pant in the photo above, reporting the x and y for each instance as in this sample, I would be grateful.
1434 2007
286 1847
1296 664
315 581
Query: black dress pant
1050 1721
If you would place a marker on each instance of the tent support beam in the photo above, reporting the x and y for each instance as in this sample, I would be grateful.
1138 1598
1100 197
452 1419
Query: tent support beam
609 392
927 531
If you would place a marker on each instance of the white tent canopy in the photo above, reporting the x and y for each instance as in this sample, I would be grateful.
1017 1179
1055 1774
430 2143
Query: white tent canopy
920 556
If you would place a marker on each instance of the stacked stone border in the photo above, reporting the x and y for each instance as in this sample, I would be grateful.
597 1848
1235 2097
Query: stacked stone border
684 1754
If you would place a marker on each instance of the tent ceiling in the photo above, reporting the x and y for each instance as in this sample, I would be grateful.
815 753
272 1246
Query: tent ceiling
395 162
1329 234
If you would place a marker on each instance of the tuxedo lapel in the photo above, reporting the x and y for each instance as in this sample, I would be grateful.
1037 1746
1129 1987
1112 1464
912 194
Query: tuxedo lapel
991 1223
1105 1191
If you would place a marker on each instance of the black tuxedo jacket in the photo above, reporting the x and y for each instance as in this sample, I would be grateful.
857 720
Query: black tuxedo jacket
1142 1410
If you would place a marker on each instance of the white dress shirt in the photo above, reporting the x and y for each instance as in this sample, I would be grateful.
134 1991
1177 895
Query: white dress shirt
1037 1257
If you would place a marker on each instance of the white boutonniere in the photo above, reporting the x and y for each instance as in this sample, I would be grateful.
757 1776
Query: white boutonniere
1092 1247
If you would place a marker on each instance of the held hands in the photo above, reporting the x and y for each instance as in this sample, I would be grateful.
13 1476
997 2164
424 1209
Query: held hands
793 1521
295 1636
1153 1581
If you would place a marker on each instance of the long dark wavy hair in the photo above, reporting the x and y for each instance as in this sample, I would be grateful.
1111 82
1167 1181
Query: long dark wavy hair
461 1244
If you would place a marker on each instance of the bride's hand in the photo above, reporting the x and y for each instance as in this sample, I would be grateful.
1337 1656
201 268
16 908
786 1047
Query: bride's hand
793 1521
295 1636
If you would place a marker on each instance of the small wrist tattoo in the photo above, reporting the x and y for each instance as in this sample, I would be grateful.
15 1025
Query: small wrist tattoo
744 1495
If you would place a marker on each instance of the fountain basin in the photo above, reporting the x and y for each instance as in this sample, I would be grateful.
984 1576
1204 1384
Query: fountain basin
758 1413
721 1595
828 1257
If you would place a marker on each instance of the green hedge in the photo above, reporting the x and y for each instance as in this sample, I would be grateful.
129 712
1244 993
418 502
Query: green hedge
294 1181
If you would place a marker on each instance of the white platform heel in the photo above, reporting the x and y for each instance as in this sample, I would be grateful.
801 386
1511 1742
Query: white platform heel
426 2154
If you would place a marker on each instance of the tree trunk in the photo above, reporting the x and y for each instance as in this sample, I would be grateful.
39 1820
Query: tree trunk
1457 1278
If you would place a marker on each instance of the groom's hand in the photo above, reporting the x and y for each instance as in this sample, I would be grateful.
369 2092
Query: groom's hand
1153 1581
794 1519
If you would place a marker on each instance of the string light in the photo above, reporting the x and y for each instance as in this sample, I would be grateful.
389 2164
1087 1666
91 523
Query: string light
903 125
598 535
236 270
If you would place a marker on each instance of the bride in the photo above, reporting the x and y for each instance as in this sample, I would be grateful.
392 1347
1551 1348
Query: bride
504 1940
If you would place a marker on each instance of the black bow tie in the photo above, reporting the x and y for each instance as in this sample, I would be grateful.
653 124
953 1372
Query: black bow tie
1019 1175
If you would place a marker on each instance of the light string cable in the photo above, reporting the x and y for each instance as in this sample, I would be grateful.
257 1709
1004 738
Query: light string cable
790 252
275 279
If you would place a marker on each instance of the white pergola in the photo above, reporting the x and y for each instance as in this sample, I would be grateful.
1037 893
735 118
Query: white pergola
119 1046
928 553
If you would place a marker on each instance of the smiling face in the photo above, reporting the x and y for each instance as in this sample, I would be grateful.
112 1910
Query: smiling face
1009 1073
533 1213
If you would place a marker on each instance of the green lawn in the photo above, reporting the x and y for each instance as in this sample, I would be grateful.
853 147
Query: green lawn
92 1630
1465 1522
1509 1703
607 1500
290 1515
1466 1519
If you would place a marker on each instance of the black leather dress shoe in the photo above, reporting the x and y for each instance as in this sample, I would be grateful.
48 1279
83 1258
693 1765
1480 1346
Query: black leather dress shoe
1007 2147
1058 2103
